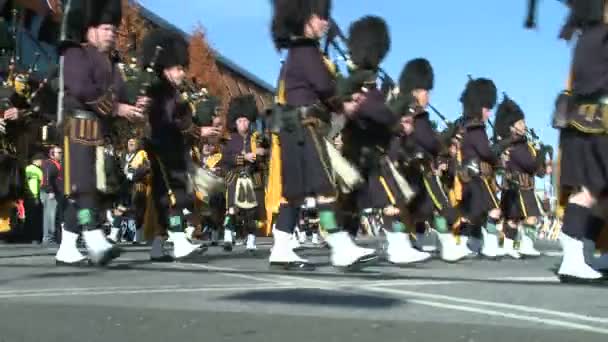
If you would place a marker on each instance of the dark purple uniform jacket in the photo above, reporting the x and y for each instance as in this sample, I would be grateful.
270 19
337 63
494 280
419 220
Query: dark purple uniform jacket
590 63
170 119
235 147
521 159
88 74
372 127
476 146
307 79
425 137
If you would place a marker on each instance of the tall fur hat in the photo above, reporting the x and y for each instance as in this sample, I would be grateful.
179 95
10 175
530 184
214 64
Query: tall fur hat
82 14
417 74
290 16
583 13
243 106
100 12
587 11
479 93
507 113
174 49
368 42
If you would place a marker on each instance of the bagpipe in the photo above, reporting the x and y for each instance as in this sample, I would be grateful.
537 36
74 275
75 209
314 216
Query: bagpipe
141 80
204 181
336 39
546 151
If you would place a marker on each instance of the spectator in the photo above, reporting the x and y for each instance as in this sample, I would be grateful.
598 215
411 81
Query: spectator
33 207
51 194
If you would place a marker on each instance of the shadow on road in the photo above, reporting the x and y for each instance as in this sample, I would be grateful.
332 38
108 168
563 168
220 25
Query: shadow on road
315 297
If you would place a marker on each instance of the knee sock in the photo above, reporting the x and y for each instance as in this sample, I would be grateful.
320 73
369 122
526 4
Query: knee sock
510 232
287 218
327 217
491 225
576 218
594 227
441 224
529 230
392 224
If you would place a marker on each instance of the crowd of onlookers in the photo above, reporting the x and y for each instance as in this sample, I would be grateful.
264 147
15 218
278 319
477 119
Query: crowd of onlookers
37 218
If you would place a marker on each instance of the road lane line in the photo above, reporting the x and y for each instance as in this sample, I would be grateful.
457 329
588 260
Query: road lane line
522 308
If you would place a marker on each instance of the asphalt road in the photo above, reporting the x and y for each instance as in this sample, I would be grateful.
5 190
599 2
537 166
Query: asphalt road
235 297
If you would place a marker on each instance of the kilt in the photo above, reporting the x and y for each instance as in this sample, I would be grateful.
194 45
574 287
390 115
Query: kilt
583 161
478 199
174 168
519 204
88 170
245 194
305 168
379 191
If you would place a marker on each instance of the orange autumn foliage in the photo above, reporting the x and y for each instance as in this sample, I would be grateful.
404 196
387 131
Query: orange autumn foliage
203 67
132 24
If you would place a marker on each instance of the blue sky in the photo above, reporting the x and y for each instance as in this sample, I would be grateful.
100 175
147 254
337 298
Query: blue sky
479 37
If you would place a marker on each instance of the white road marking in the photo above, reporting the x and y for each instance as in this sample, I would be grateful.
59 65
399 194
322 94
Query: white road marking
228 272
80 289
522 308
103 291
526 318
553 279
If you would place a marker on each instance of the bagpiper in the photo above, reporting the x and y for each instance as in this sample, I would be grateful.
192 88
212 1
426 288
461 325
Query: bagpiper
239 162
479 206
367 137
431 203
584 143
168 148
93 92
518 199
309 92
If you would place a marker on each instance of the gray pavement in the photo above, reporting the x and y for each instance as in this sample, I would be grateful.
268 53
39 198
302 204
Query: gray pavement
234 296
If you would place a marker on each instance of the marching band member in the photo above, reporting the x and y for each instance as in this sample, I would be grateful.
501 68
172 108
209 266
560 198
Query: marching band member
309 90
431 204
584 141
479 207
239 161
171 125
518 200
94 91
367 137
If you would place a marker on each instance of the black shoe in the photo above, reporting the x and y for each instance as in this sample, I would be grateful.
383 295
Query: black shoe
108 255
567 279
228 246
164 258
81 263
293 266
